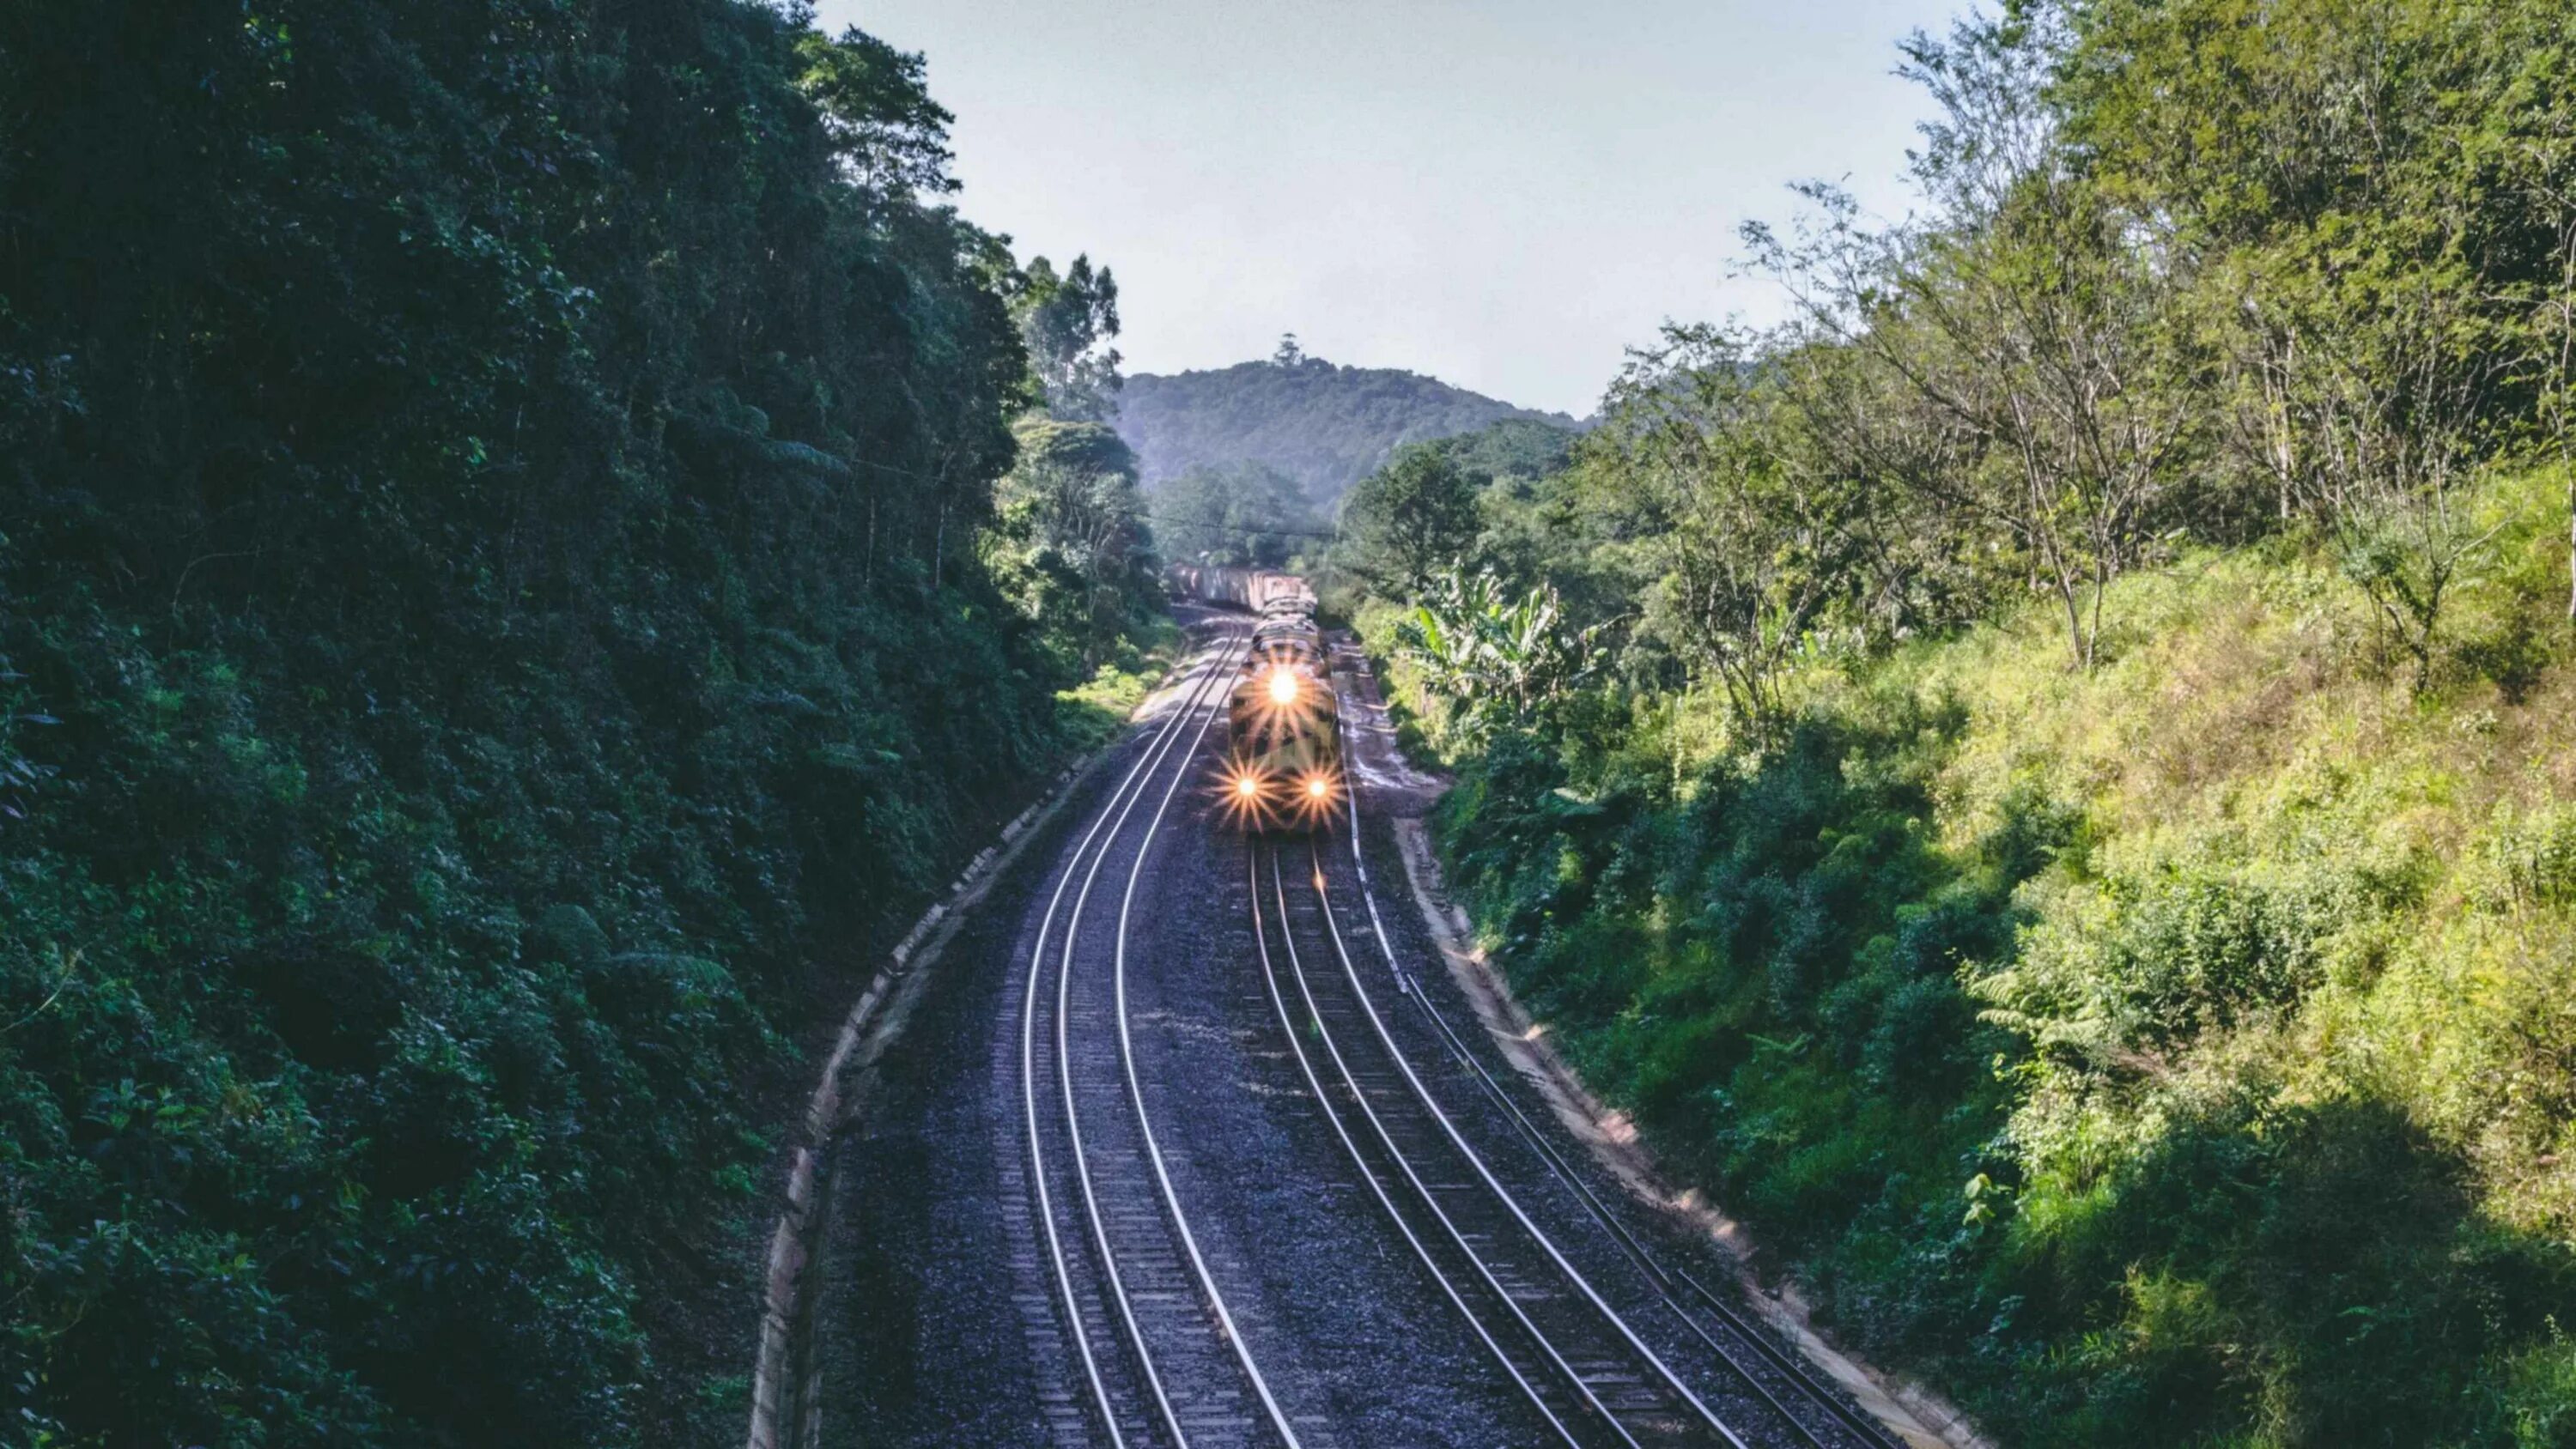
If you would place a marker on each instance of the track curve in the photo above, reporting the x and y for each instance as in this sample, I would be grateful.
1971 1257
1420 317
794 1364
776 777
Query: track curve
1257 1175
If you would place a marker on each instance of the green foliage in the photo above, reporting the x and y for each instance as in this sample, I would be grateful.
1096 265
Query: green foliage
877 110
2071 838
489 502
1096 710
1513 454
1249 515
1497 660
1410 519
1745 542
2170 1053
1069 544
1067 322
1325 426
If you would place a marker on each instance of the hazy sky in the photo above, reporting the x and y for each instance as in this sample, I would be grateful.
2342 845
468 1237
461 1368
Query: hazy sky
1503 193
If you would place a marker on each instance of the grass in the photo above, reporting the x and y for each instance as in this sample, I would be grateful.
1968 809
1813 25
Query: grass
2178 1053
1091 714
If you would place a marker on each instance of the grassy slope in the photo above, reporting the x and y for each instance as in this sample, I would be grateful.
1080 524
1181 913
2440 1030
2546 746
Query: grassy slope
1093 712
2183 1053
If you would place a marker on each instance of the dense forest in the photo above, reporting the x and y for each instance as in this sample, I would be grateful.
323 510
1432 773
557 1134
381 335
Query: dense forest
513 574
2047 782
1323 426
1252 514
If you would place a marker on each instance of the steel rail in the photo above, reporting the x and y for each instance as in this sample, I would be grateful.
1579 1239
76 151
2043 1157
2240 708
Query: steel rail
1064 1058
1136 1091
1511 1204
1305 1064
1666 1280
1151 755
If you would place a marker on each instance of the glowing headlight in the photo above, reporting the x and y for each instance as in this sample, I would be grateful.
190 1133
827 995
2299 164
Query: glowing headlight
1316 788
1246 786
1283 687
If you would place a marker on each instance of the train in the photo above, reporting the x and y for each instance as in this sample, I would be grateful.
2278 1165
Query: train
1251 589
1283 767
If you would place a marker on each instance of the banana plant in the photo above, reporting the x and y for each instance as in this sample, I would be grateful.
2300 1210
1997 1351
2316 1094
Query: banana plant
1499 657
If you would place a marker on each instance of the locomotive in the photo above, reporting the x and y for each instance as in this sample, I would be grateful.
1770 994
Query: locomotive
1283 768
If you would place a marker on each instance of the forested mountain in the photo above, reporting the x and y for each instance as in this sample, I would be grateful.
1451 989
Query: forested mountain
2043 783
1321 425
494 622
1253 514
1247 515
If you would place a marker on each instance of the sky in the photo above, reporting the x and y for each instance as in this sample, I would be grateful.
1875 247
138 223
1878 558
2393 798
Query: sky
1505 194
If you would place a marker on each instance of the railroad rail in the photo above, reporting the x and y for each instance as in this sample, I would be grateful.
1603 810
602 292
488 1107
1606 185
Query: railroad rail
1175 1364
1159 1350
1607 1378
1780 1378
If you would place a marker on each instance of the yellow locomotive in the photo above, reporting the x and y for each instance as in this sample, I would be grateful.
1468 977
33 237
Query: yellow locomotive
1283 765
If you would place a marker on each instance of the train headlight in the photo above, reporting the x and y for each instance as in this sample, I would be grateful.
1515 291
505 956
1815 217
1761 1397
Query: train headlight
1245 787
1283 687
1317 788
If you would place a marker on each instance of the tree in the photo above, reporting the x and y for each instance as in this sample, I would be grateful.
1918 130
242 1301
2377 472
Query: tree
1071 541
890 136
1411 517
1751 539
2395 399
1247 515
2374 205
1500 658
2027 316
1067 322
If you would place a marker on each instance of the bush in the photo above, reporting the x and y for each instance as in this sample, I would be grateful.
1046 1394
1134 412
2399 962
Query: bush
2166 1054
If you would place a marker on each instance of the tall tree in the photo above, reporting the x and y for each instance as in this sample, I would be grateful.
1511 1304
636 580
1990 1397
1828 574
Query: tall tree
1249 514
1067 322
1071 540
1410 518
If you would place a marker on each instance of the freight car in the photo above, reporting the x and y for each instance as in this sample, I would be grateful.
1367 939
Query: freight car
1252 589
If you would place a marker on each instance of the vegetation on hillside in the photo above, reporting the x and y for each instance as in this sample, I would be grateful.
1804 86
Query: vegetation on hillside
2064 819
1250 514
1069 543
1322 425
501 598
1434 502
1419 510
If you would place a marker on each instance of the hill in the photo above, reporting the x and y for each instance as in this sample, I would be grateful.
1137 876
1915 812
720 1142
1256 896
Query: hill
497 513
2043 784
1324 425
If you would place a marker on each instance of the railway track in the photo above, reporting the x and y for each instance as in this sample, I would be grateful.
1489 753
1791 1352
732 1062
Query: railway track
1589 1376
1157 1357
1160 1352
1798 1407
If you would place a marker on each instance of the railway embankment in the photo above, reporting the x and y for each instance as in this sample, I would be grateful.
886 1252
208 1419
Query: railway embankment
1408 791
1917 1413
787 1382
2103 1046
